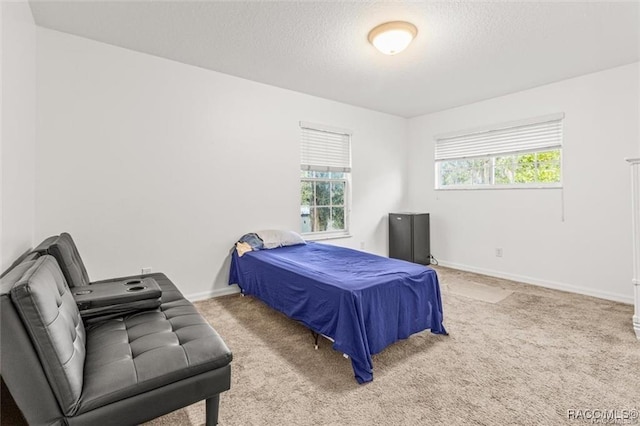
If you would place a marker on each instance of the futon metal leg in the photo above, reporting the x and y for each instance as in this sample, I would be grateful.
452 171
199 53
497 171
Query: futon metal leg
212 410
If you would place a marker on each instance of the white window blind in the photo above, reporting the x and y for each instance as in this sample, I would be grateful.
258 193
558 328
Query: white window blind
325 148
537 134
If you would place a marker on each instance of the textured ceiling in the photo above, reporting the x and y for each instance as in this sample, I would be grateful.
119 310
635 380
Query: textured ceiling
464 51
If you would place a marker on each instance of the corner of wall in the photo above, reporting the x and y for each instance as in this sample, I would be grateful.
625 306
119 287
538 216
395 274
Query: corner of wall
18 127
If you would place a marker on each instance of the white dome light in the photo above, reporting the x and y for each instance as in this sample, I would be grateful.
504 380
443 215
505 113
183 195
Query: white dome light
392 37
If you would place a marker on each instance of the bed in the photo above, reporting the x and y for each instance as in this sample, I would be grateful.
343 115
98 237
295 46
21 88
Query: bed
361 301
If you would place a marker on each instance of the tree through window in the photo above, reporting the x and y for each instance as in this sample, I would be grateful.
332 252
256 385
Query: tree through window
523 154
324 180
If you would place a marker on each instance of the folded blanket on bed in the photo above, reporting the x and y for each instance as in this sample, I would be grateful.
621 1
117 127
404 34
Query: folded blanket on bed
243 248
253 240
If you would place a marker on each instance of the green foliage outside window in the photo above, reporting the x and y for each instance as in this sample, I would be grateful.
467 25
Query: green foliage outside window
323 199
526 168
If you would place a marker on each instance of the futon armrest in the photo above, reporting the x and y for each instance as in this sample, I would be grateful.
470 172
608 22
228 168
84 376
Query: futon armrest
117 298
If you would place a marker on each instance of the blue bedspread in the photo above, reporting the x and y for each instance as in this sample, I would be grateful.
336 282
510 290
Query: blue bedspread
362 301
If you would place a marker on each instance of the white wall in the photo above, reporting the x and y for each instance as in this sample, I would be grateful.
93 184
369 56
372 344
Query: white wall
590 250
18 130
149 162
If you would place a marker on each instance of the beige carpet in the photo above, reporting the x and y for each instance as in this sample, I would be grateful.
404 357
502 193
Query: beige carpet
476 290
525 359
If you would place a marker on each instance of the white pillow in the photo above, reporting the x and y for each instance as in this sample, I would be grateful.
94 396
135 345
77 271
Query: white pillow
273 238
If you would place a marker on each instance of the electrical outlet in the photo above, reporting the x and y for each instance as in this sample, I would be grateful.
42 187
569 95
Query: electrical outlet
498 252
146 270
361 245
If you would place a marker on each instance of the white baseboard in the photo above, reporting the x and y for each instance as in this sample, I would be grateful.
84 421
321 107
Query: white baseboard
232 289
542 283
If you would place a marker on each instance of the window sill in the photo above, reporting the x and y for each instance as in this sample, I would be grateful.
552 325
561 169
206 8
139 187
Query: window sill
502 187
321 237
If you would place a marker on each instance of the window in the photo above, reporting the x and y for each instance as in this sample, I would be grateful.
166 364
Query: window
324 180
513 155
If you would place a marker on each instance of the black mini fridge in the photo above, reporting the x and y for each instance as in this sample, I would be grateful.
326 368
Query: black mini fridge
409 237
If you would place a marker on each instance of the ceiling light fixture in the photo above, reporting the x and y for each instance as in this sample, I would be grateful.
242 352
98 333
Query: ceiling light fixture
392 37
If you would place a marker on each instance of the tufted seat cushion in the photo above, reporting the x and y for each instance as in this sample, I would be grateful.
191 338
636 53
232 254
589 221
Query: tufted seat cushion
147 350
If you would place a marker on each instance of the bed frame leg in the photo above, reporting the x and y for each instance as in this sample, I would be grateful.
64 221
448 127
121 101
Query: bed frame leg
316 336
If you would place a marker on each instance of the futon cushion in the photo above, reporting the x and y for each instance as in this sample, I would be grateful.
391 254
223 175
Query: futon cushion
43 247
143 351
64 249
51 317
